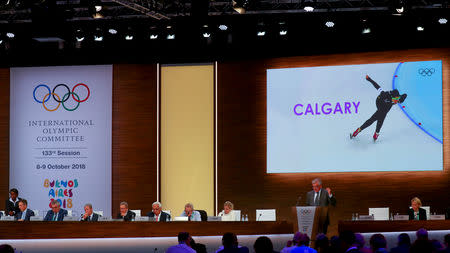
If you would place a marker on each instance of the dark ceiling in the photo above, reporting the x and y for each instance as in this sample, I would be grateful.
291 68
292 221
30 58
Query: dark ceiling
46 32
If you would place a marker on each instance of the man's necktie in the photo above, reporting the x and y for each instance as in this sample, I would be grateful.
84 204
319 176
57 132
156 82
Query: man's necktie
54 217
316 199
189 218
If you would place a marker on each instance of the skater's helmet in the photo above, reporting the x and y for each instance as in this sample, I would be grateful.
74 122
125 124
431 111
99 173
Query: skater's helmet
395 96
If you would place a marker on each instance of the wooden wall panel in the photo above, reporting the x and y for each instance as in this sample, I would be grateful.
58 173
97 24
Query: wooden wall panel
242 176
4 136
134 127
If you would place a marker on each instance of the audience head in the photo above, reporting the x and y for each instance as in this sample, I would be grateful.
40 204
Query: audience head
347 239
447 240
321 242
296 238
335 243
303 240
416 204
23 205
263 245
227 207
377 241
188 208
88 209
289 243
422 234
437 246
403 239
14 193
359 241
6 248
56 206
229 240
317 184
184 237
123 207
156 207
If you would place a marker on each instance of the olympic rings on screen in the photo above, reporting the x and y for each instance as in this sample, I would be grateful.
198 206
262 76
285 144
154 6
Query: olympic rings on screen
57 98
426 71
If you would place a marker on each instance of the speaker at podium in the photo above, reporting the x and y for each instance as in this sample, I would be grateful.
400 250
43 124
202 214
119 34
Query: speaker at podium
310 220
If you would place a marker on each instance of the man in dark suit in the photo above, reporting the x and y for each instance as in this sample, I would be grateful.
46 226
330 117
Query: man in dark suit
12 204
124 213
24 214
157 213
320 197
89 214
415 212
56 214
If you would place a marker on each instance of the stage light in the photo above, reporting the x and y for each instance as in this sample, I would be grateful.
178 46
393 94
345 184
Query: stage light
400 10
283 32
129 37
170 36
129 34
153 36
98 35
308 8
79 36
366 31
442 21
10 35
261 33
98 8
1 42
223 27
112 31
206 35
329 24
420 28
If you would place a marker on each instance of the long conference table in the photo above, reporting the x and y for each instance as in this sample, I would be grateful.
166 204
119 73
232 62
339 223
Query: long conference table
118 229
392 226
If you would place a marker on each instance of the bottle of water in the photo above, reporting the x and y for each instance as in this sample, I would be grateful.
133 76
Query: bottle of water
246 217
242 217
392 216
356 216
353 216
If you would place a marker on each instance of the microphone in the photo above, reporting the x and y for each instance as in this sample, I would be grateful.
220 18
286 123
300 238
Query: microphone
299 199
260 214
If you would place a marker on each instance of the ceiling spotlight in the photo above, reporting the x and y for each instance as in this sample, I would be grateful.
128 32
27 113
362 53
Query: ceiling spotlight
223 27
153 36
129 37
442 21
283 32
329 24
10 35
98 35
170 36
79 36
206 35
112 31
98 38
400 10
308 8
1 41
366 31
261 33
98 8
420 28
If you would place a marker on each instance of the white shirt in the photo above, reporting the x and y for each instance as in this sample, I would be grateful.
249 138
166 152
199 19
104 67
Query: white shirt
180 248
228 217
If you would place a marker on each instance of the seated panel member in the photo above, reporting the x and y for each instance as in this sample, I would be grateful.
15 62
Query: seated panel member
124 213
57 213
25 213
157 213
415 212
191 213
227 214
12 204
89 214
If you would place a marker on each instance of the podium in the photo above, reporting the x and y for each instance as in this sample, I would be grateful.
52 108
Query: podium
309 220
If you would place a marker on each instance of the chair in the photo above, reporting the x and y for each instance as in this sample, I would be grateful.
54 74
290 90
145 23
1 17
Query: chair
137 212
266 215
36 212
99 212
203 214
69 213
3 213
167 211
427 209
381 213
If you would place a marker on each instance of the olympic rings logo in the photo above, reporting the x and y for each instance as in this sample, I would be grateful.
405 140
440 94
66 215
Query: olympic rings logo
57 98
305 211
426 71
